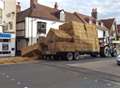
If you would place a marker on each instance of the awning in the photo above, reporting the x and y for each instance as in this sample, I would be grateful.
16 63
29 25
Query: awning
5 36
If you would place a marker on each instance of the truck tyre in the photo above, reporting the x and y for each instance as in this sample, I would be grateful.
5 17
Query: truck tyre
69 56
77 56
105 52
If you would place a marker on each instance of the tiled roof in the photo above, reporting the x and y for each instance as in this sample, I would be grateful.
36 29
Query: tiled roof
108 22
47 13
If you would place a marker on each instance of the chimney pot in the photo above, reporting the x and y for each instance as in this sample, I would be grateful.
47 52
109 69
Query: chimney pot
94 13
33 2
18 7
56 5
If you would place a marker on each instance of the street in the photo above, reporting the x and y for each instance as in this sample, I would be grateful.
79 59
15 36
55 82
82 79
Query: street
57 74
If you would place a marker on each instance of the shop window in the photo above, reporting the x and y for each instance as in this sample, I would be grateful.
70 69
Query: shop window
5 47
5 40
41 27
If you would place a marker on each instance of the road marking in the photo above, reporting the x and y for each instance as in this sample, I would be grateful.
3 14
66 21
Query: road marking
12 79
113 82
7 76
18 83
109 84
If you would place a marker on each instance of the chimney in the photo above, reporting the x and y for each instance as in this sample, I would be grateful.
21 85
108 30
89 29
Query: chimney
56 5
33 2
94 13
18 7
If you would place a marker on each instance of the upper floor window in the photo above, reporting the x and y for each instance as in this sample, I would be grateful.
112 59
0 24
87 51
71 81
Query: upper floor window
41 27
0 16
10 25
62 16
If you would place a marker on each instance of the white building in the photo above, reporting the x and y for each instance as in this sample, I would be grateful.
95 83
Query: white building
7 27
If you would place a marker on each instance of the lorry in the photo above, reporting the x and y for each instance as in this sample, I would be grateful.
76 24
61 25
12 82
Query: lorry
71 40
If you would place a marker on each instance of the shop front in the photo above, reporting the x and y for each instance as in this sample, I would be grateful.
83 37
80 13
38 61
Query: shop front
7 47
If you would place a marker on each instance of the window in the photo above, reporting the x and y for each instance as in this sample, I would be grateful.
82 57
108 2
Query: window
10 25
62 16
104 33
0 15
41 27
5 47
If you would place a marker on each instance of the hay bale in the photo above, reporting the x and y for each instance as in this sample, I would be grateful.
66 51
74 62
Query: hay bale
55 35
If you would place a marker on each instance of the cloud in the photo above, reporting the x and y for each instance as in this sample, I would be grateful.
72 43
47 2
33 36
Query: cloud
106 8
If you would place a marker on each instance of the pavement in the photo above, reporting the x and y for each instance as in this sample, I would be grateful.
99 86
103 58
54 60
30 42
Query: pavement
108 66
53 74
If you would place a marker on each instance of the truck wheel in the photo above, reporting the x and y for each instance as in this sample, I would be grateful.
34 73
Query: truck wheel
69 56
76 56
105 52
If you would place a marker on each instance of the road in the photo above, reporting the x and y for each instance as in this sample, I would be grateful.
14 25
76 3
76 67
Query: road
55 74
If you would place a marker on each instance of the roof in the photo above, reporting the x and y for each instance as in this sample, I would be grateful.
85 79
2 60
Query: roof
108 22
47 13
86 18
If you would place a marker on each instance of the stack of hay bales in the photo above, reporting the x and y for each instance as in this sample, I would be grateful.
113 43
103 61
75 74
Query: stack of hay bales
92 37
58 40
84 35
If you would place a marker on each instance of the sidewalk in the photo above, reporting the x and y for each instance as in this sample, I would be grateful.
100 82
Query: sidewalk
107 66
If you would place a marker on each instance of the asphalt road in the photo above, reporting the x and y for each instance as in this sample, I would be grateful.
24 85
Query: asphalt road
52 74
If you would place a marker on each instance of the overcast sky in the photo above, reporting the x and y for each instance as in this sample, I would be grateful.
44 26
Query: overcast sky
106 8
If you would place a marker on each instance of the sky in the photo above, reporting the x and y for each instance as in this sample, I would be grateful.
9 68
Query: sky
106 8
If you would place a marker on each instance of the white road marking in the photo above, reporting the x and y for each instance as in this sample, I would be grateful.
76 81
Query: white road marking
7 76
12 79
18 83
113 82
109 84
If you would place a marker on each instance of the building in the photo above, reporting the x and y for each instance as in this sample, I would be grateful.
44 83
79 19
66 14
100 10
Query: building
111 25
37 20
7 27
103 31
118 31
